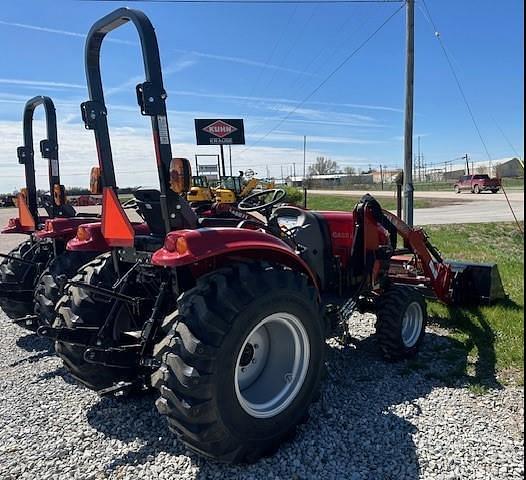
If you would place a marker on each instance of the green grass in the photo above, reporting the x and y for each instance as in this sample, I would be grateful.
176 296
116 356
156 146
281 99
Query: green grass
513 183
347 203
490 337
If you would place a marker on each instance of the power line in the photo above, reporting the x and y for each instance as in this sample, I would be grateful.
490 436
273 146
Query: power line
508 141
327 78
256 2
427 14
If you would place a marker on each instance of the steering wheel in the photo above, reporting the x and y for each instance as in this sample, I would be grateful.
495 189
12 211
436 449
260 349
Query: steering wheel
247 204
131 203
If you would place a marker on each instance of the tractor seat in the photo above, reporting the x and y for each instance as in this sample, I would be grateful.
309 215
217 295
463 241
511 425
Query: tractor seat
149 208
311 233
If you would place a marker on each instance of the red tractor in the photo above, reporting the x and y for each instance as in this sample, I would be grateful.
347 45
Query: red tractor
29 273
227 317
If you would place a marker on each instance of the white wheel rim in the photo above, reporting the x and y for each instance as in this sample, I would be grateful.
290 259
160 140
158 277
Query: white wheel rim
272 365
412 324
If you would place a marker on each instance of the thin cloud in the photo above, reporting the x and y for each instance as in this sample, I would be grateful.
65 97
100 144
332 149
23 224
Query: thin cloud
246 61
40 83
246 98
60 32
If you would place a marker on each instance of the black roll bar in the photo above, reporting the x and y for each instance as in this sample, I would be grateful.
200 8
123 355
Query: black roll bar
48 149
151 97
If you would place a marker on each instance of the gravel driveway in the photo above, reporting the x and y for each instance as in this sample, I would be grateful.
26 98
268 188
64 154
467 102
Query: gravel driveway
374 421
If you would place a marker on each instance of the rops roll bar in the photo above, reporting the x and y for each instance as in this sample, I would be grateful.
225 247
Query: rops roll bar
48 149
151 98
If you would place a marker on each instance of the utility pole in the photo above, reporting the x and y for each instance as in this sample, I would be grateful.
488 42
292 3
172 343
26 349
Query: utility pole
466 158
382 176
419 161
304 158
409 102
294 169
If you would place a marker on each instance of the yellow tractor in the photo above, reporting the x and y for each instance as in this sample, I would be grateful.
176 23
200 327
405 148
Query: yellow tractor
233 189
200 195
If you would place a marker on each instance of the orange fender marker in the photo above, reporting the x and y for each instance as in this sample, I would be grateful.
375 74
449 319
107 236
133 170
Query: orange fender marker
26 219
116 228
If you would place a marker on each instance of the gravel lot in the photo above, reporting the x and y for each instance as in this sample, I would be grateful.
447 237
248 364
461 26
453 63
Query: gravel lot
374 421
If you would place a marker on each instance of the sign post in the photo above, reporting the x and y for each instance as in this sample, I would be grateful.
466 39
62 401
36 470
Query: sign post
220 132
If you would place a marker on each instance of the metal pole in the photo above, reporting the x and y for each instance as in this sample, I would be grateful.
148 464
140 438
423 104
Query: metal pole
419 159
304 157
382 177
230 158
223 159
196 166
408 134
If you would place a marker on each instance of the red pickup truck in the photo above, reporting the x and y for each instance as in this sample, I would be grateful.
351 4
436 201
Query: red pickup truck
478 183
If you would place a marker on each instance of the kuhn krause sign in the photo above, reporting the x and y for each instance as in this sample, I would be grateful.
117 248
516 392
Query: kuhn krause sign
219 132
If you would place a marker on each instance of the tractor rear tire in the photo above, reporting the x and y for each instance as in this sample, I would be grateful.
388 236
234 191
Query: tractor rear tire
48 290
20 304
80 307
401 318
225 396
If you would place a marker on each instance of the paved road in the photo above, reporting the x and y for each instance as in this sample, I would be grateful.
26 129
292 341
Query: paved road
467 208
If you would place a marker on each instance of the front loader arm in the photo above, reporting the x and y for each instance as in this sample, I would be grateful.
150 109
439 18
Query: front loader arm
438 274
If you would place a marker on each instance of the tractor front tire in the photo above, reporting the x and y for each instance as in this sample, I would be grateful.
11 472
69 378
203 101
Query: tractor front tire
401 318
22 275
241 362
79 307
48 290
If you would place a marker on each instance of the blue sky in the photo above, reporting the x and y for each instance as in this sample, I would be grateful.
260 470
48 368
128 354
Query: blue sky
257 62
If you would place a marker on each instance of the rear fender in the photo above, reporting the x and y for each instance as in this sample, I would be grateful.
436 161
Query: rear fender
93 241
65 228
14 226
207 248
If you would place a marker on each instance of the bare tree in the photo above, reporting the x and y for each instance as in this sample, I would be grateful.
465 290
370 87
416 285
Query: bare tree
482 169
349 170
323 166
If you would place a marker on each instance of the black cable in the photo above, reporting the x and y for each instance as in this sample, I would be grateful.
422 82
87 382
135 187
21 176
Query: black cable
508 141
327 78
427 14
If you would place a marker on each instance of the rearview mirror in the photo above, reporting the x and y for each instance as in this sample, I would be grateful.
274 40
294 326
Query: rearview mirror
180 175
95 185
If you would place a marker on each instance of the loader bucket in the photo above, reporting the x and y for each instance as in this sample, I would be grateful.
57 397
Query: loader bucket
476 283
